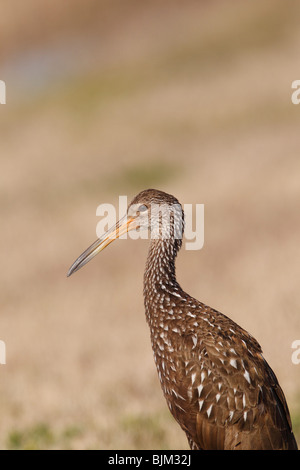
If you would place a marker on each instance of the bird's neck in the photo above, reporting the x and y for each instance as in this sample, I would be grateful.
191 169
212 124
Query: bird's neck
159 277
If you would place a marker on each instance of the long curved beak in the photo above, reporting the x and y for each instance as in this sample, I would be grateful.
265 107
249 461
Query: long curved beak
123 226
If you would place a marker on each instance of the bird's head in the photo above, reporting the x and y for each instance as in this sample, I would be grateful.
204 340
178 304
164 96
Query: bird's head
151 210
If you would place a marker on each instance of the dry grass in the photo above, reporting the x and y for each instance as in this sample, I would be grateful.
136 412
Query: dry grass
193 100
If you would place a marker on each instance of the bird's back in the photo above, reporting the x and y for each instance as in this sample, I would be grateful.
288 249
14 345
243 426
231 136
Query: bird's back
217 384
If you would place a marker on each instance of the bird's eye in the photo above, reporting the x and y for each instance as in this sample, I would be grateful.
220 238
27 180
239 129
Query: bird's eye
142 208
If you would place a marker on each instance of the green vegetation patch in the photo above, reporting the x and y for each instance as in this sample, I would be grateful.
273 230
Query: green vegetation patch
40 437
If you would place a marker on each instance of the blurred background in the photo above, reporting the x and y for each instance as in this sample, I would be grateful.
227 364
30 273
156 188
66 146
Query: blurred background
106 98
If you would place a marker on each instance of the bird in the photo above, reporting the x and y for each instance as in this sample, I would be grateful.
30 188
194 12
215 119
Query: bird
216 382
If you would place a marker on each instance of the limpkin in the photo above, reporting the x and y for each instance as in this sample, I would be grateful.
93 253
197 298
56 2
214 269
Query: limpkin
216 382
